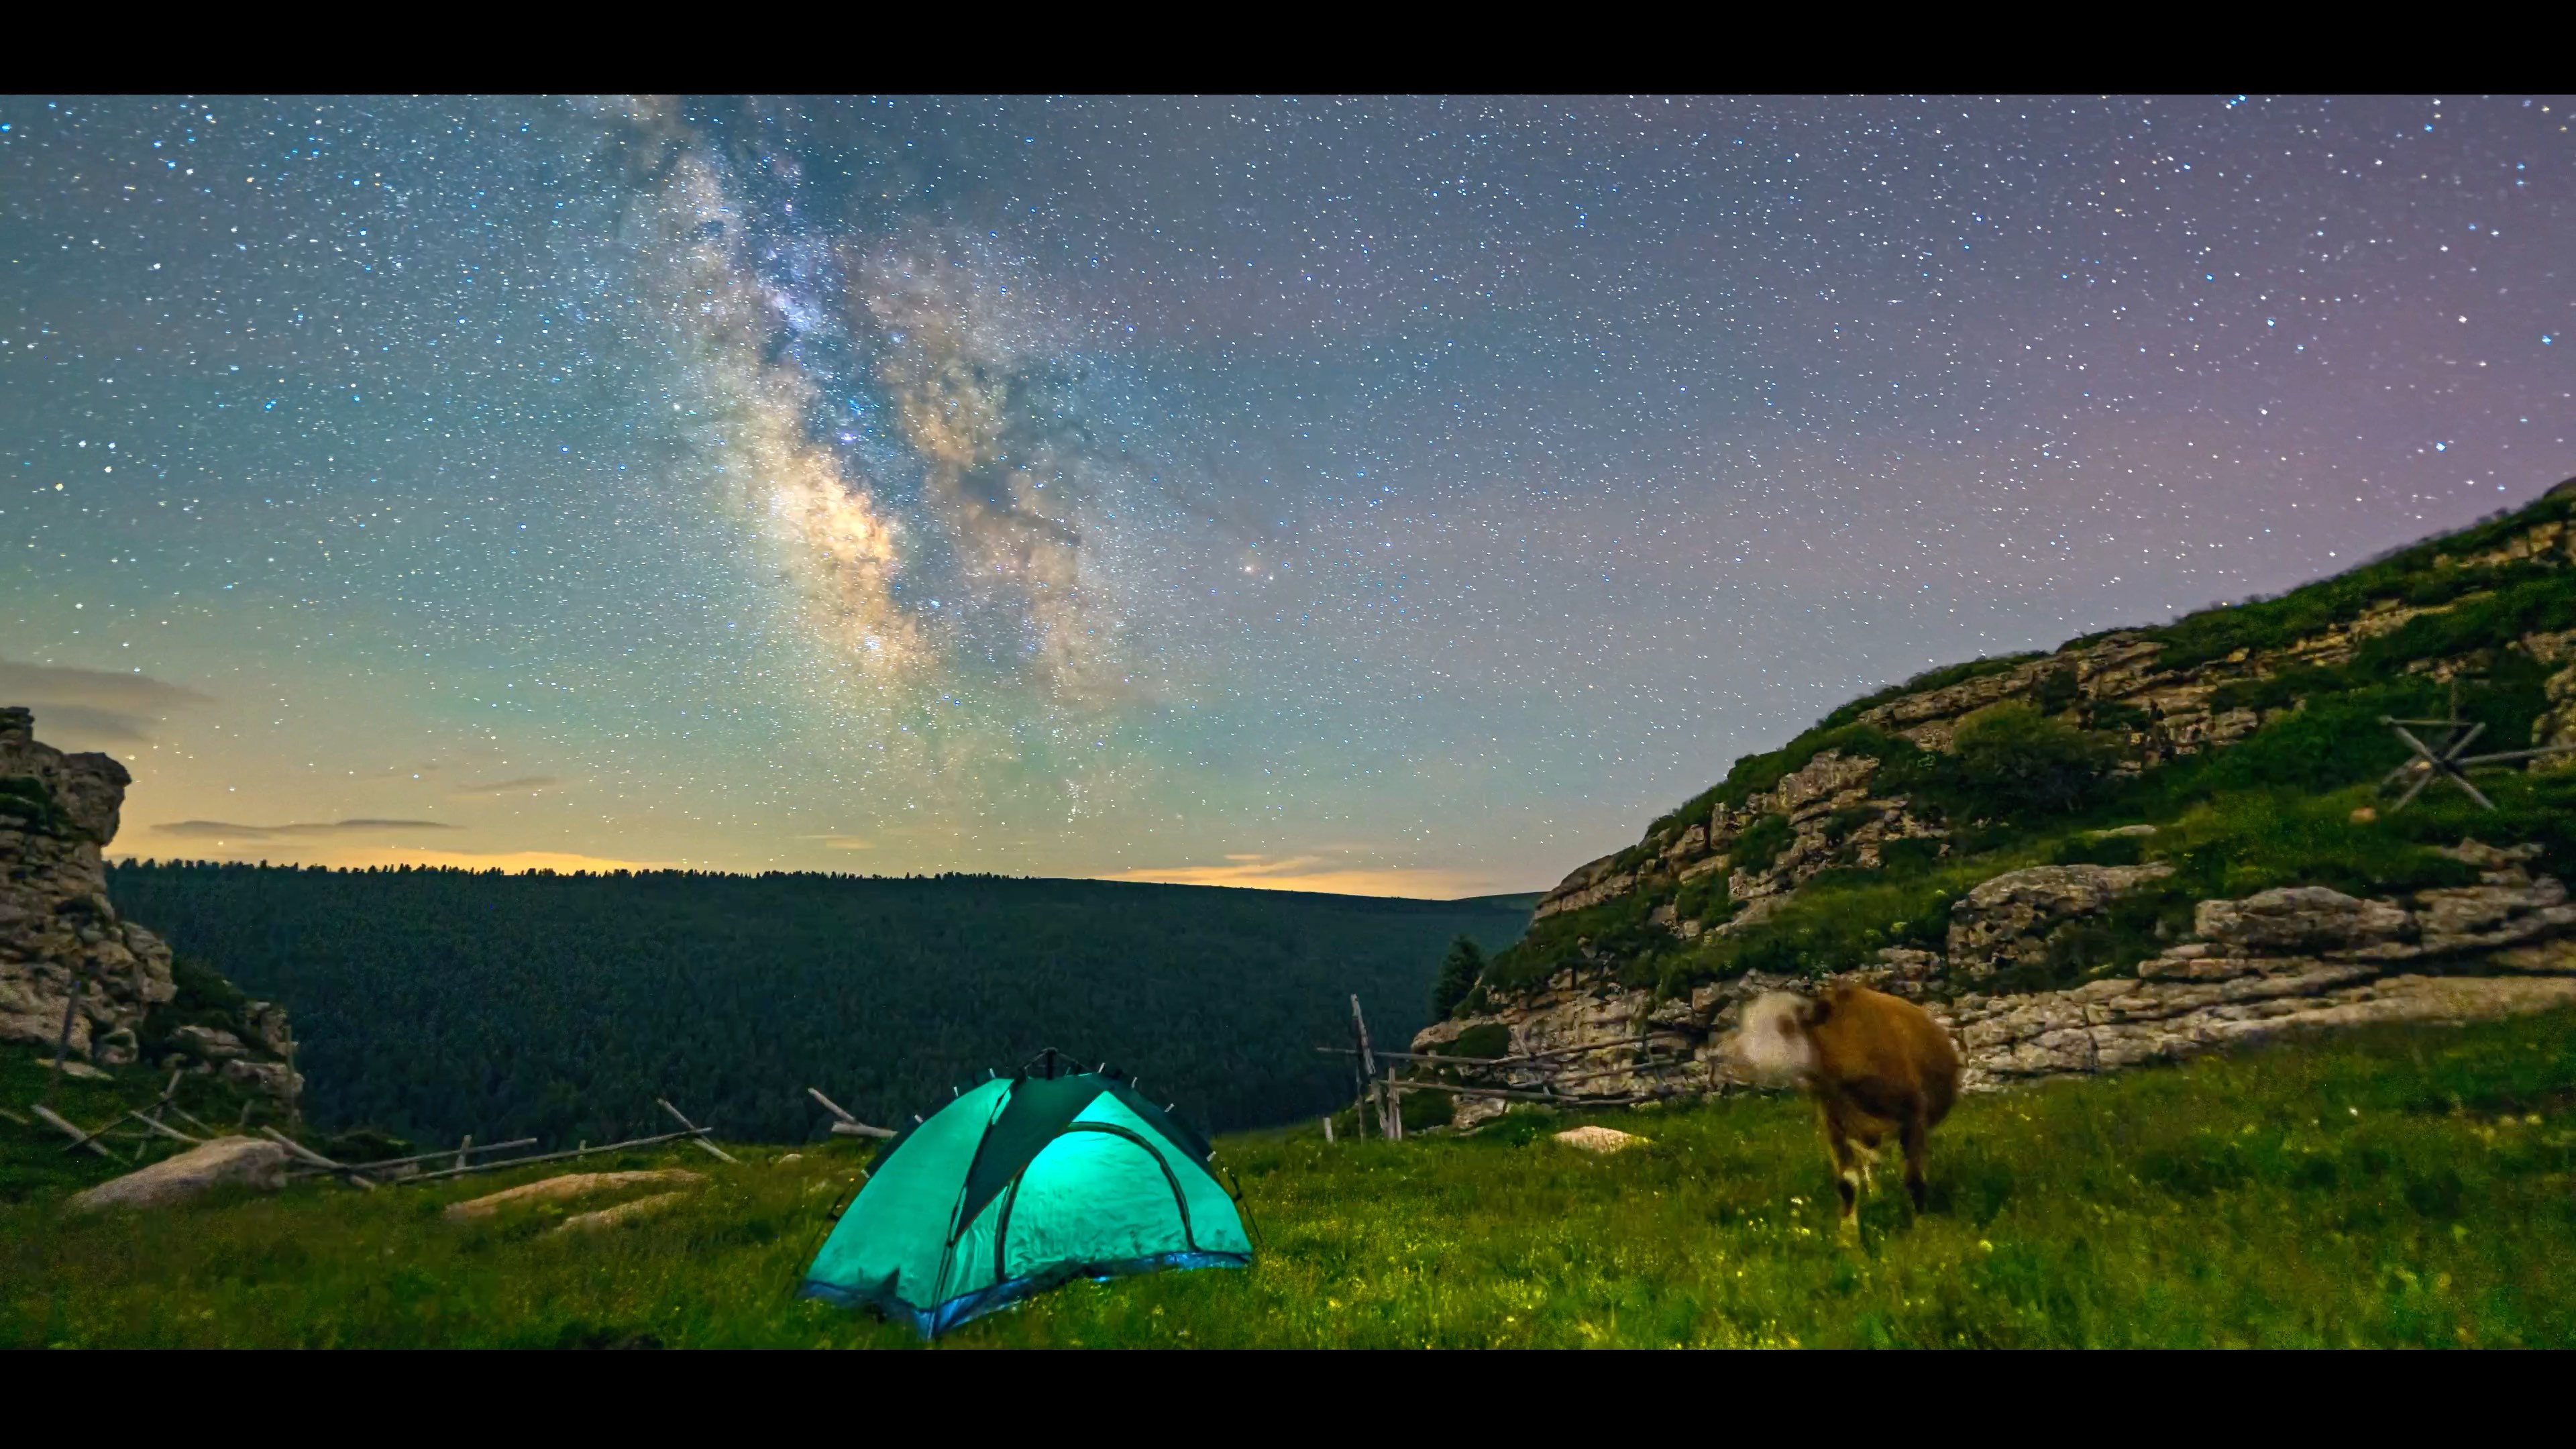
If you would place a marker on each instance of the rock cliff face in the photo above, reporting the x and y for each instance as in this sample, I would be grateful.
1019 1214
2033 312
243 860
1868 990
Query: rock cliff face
61 939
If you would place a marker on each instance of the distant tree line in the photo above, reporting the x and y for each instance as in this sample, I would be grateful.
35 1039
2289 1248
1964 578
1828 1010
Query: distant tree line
435 1002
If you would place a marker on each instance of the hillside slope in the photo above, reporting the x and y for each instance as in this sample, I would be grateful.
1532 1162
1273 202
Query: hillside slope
2159 773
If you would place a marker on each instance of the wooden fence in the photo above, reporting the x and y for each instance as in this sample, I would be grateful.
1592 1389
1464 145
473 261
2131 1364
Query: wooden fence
147 1126
1384 1095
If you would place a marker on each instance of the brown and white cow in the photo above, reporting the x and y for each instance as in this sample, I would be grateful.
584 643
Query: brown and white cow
1876 1066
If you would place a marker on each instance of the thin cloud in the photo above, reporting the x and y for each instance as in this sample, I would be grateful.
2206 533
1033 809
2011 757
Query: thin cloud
1317 873
81 723
227 830
524 785
93 705
510 862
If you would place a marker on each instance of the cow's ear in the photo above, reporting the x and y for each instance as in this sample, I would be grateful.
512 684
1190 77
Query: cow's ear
1815 1011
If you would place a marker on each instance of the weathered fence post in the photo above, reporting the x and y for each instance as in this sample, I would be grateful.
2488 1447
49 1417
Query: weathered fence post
1328 1129
849 1126
1394 1107
703 1144
1367 1067
464 1149
342 1170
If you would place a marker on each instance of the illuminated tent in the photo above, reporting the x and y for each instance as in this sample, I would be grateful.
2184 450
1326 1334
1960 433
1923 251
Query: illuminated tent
1020 1185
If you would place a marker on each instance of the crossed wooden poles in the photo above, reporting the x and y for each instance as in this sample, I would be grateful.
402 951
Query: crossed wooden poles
2447 760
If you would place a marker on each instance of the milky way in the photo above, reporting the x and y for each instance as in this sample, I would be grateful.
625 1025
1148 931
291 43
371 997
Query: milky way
1390 495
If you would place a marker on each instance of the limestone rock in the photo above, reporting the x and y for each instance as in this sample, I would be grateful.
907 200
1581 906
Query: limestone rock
56 926
271 1079
211 1043
250 1161
559 1189
2550 958
2006 921
2300 918
62 942
1828 775
1589 886
1594 1138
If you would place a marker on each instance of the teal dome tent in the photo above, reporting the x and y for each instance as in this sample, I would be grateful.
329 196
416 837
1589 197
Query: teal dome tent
1019 1185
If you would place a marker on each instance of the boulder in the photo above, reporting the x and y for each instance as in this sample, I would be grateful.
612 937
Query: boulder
2006 921
2297 919
249 1161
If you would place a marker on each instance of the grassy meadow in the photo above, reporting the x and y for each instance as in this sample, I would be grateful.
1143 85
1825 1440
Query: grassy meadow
2391 1187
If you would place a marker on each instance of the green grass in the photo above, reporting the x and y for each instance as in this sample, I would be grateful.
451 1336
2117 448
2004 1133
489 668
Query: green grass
2394 1187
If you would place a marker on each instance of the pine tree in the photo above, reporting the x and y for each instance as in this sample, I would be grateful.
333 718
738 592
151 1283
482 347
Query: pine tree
1458 972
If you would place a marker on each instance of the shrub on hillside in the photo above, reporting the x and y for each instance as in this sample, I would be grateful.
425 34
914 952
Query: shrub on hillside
1760 843
2009 757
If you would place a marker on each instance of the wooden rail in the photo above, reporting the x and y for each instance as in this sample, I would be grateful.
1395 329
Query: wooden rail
585 1150
1505 1061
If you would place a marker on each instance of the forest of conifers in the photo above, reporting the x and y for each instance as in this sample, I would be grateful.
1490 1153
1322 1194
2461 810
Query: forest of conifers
432 1003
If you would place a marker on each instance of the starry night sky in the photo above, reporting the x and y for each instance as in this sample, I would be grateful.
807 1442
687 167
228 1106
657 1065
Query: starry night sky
1402 496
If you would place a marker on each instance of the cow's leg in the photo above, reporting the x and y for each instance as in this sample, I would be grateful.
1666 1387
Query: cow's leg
1865 1148
1915 1130
1846 1171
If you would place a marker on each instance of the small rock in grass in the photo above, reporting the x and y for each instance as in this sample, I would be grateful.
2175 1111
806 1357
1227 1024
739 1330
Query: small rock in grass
555 1189
623 1212
77 1071
791 1157
1599 1139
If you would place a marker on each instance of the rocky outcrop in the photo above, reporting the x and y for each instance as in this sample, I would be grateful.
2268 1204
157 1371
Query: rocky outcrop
56 926
245 1161
1832 819
2319 955
63 944
2106 1025
2293 959
2300 918
1589 885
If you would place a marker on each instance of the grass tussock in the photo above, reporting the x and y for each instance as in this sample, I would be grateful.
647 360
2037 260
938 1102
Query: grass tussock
2399 1187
